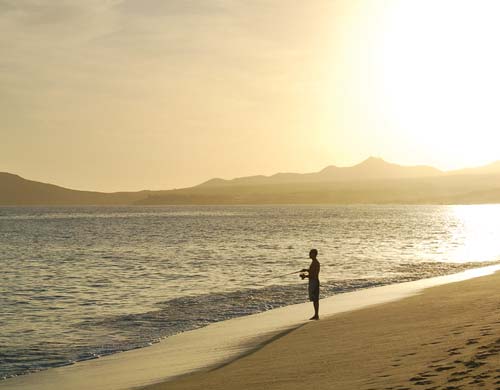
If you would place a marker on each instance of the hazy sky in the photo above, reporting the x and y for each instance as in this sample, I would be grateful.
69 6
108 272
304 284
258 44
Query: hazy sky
132 94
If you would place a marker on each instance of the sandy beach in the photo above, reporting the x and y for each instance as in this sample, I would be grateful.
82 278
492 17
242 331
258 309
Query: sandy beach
447 337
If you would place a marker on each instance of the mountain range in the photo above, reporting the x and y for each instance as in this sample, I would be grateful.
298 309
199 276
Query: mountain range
372 181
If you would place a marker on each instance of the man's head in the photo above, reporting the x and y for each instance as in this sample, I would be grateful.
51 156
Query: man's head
313 253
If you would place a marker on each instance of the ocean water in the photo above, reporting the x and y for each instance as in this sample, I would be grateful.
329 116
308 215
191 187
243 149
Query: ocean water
81 282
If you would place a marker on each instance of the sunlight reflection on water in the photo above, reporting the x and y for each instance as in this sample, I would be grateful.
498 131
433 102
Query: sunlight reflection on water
477 232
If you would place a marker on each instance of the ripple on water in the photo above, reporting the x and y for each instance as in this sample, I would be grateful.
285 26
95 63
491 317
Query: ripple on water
82 282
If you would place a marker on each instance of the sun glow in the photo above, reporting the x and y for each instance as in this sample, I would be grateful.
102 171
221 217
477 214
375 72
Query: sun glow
436 67
475 235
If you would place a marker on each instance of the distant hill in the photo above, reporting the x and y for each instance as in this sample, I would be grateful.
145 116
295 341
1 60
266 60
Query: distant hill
432 190
14 190
370 169
372 181
490 169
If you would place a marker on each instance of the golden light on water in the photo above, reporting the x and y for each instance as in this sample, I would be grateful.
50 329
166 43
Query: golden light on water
476 234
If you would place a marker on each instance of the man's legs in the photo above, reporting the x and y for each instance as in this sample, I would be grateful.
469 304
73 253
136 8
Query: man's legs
314 297
316 310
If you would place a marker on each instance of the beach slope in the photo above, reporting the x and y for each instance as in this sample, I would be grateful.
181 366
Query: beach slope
448 337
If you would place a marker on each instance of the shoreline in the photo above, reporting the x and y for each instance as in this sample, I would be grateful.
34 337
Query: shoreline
292 293
443 338
215 345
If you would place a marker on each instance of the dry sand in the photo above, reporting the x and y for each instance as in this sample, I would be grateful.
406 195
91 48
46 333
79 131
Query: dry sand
448 337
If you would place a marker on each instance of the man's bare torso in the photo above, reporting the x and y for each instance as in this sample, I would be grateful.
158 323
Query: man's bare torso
314 270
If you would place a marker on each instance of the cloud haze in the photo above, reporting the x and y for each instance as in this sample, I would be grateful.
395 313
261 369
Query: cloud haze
131 94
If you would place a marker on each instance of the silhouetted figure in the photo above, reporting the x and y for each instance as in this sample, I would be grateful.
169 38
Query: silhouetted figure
313 275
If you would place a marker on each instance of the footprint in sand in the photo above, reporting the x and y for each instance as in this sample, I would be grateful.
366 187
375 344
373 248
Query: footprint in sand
424 382
422 376
484 355
457 376
444 368
417 379
454 351
473 364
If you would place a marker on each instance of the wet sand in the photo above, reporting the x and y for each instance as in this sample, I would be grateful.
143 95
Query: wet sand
447 337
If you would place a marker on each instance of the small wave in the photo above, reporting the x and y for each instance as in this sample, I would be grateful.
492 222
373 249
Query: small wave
178 315
188 313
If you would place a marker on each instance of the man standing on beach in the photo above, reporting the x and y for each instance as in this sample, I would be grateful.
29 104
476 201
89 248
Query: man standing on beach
313 275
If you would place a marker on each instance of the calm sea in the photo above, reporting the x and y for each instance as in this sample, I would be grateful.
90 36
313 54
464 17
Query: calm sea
81 282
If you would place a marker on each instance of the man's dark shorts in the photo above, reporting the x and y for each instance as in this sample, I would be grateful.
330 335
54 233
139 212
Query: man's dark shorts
313 290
